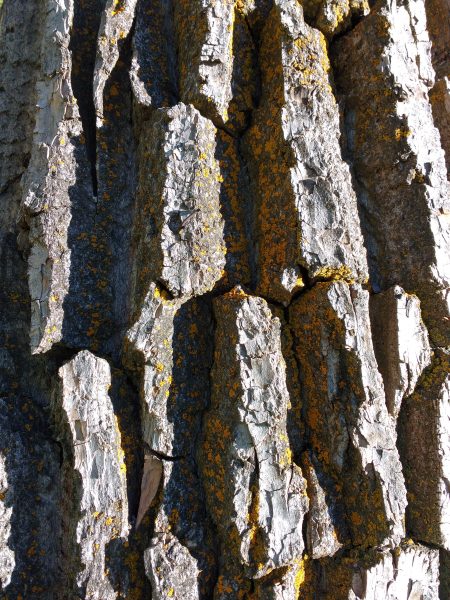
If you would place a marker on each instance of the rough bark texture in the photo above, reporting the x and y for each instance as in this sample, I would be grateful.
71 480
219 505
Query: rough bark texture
225 299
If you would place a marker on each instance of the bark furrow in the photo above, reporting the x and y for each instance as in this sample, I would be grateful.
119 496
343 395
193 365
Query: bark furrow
225 322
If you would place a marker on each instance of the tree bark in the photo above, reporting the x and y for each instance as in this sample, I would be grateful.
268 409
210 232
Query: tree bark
225 315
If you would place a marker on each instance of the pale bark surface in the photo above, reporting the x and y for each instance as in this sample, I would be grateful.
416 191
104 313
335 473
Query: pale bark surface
225 299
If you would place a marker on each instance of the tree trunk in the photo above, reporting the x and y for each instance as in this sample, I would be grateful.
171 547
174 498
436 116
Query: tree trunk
225 279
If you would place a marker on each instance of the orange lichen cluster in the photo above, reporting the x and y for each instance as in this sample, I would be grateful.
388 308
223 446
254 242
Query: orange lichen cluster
300 63
424 419
377 123
215 446
191 25
232 205
308 55
244 82
233 586
313 320
120 451
95 244
257 549
118 6
343 273
242 6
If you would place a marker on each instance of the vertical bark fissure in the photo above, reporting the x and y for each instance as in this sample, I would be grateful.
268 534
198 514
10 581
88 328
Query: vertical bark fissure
195 184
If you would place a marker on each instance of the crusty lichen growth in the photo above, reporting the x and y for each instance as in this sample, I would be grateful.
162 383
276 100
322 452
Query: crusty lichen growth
424 445
83 410
247 426
299 224
343 402
392 141
114 28
233 208
333 16
166 152
204 30
178 226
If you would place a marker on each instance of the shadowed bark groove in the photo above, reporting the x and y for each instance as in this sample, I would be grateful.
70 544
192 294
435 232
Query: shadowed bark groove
224 300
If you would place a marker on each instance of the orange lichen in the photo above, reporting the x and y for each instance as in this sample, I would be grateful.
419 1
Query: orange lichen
311 318
118 7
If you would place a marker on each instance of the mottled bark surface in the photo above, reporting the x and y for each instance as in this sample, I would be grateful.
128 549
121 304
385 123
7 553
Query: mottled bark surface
224 299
